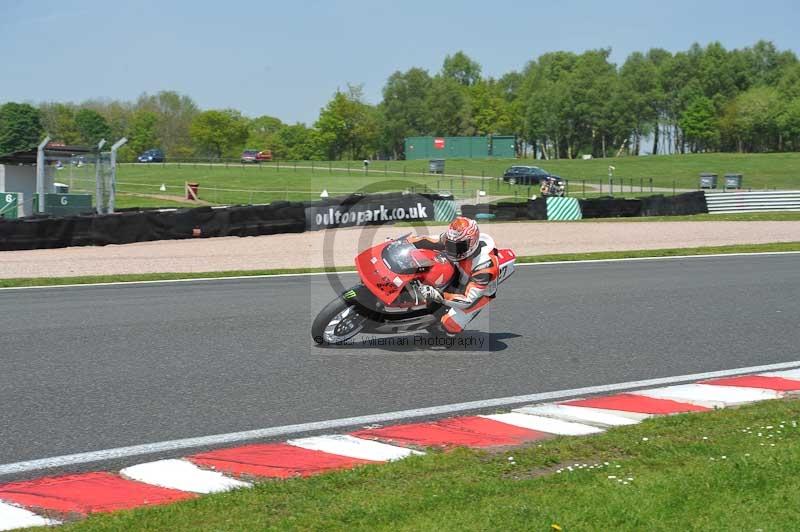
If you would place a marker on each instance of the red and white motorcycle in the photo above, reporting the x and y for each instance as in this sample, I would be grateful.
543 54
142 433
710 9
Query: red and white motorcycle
387 300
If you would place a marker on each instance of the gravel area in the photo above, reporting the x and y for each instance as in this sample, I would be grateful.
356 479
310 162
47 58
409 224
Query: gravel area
338 247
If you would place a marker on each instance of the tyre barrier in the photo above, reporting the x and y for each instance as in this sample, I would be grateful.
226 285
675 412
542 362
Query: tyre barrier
606 207
41 232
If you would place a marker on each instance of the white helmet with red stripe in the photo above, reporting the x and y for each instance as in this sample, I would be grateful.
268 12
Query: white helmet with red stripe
461 239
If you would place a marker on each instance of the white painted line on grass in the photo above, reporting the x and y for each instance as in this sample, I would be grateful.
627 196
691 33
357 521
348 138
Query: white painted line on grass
578 414
163 281
346 445
243 277
387 417
544 424
12 517
182 475
709 395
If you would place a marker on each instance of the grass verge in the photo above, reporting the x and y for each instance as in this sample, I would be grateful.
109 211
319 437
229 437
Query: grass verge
138 277
736 469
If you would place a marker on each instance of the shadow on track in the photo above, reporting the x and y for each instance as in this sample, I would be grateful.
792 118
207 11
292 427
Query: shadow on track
467 342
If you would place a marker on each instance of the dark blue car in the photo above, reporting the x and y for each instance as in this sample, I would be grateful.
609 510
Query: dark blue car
151 156
526 175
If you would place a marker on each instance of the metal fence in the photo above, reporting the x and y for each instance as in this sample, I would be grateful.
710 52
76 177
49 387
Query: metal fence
733 202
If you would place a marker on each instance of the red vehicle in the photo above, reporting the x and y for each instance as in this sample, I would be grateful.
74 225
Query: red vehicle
264 155
387 301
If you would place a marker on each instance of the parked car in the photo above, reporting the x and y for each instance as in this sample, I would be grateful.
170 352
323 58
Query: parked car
265 155
249 156
151 156
526 175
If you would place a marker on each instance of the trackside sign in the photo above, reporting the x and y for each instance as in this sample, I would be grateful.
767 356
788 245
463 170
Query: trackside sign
369 212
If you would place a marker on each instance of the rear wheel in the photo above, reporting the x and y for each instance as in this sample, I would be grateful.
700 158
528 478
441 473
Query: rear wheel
512 180
337 323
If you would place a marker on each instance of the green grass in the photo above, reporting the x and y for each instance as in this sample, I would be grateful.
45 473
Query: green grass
124 201
723 470
55 281
305 180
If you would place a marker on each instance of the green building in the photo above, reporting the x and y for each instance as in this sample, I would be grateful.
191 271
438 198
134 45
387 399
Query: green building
501 147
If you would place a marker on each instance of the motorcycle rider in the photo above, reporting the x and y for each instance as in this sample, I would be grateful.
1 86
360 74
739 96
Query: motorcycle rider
475 258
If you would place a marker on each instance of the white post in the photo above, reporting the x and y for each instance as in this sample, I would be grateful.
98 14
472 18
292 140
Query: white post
98 179
40 177
112 196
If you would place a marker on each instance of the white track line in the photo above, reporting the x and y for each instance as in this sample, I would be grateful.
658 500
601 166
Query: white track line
591 416
243 277
273 432
792 374
544 424
709 395
182 475
12 517
345 445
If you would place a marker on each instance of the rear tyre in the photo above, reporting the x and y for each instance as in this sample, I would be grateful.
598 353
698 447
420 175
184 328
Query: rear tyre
512 180
337 323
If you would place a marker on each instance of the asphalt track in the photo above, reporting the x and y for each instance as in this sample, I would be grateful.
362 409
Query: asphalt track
91 368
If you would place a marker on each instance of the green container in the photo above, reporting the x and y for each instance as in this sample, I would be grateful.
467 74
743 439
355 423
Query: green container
503 146
9 205
417 148
65 204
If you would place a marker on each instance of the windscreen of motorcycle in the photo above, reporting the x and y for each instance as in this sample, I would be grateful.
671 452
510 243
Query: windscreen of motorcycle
402 257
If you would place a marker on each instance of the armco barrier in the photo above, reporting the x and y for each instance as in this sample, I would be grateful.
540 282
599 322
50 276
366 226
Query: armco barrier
733 202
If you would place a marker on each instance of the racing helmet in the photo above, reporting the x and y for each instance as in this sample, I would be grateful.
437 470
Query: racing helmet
461 239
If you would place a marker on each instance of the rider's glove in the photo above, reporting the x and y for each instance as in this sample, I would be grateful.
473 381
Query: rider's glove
430 293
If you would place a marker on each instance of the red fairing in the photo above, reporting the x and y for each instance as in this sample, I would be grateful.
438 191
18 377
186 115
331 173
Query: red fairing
504 256
388 285
441 273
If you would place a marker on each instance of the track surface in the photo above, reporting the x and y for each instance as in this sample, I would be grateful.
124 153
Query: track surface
92 368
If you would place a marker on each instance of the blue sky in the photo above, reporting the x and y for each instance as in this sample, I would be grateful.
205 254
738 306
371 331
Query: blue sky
286 59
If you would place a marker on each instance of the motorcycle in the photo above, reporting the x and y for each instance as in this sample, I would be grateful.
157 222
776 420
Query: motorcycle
553 187
387 300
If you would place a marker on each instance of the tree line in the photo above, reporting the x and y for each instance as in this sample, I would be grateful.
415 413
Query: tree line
560 105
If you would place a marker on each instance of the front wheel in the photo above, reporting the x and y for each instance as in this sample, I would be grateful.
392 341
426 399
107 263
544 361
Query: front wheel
337 323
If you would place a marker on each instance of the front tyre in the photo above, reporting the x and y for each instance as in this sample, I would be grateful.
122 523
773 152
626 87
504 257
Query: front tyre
337 323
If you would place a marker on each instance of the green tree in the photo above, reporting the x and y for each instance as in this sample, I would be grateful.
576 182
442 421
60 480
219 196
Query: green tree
20 127
143 134
348 126
490 111
403 111
789 124
92 127
447 107
751 120
176 113
297 142
699 125
58 120
462 69
641 88
261 130
789 83
219 133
